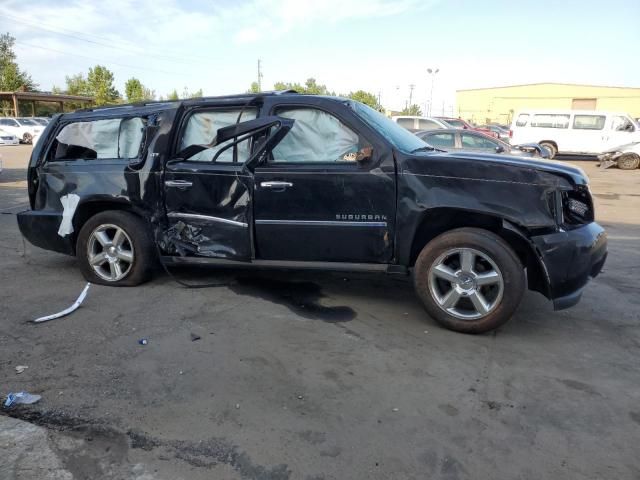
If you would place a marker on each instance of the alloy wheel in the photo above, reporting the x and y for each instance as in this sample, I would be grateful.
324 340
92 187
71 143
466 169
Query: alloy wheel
466 283
110 252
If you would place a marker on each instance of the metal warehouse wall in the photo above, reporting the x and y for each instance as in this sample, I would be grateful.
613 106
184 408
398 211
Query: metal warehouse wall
498 104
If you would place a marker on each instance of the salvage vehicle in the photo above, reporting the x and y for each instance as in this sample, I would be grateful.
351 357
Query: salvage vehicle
455 139
23 128
464 125
284 180
625 157
415 123
590 132
7 138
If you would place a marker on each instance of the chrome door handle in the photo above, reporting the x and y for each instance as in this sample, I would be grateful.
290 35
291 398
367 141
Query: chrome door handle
276 185
177 183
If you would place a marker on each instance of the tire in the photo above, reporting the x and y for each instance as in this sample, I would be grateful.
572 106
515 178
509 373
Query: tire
553 151
628 161
27 138
116 237
470 255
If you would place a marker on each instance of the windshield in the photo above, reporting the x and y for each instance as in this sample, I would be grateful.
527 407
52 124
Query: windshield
27 121
399 137
455 123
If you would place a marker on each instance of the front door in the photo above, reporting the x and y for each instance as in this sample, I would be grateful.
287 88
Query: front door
317 200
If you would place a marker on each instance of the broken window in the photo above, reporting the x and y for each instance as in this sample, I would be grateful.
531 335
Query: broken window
316 136
113 138
202 129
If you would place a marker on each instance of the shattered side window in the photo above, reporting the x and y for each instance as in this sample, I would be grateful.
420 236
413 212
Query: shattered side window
202 128
114 138
316 136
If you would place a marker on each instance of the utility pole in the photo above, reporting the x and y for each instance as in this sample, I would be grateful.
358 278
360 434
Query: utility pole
432 73
411 87
259 77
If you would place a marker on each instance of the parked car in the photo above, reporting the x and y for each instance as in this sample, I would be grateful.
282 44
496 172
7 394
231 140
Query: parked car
301 181
415 124
463 125
625 157
44 121
502 132
574 131
7 138
23 128
455 139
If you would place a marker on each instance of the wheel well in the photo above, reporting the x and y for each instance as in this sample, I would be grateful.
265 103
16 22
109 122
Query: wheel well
88 209
441 220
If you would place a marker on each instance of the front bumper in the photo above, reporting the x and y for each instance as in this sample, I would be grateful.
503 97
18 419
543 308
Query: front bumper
571 258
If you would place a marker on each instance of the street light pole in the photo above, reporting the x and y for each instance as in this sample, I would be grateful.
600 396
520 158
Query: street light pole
432 73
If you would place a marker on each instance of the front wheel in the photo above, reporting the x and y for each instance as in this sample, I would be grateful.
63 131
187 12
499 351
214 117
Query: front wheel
469 280
551 148
115 248
628 161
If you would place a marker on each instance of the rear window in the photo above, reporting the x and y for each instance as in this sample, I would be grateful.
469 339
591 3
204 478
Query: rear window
455 123
441 140
406 123
424 124
546 120
589 122
202 127
523 118
113 138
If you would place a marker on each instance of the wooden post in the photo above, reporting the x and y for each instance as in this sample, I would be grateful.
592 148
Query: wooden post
15 105
61 107
33 108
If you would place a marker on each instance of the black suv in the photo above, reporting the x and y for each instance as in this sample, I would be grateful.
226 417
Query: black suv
294 181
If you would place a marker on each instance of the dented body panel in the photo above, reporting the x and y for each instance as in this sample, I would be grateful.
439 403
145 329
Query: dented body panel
372 212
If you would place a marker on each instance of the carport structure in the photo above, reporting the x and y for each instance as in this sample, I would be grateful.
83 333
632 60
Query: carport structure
16 100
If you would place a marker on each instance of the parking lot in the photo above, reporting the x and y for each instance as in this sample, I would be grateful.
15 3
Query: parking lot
279 375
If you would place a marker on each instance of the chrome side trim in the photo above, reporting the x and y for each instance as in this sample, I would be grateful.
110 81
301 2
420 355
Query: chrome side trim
321 223
208 218
286 264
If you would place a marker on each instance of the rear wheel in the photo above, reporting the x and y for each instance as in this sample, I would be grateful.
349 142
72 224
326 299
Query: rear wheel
27 138
553 151
115 248
469 280
628 161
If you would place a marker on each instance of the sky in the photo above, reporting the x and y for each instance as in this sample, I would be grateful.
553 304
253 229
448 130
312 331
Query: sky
382 46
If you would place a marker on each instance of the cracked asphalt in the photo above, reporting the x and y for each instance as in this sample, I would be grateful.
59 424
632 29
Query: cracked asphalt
314 375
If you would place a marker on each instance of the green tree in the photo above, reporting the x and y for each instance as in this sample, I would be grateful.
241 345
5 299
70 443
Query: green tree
11 77
135 91
366 98
255 88
77 85
100 82
173 95
413 110
310 87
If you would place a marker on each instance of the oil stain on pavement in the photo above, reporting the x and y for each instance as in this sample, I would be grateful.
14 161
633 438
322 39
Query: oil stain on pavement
302 298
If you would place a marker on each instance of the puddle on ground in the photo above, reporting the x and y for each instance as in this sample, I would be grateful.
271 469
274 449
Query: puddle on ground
301 298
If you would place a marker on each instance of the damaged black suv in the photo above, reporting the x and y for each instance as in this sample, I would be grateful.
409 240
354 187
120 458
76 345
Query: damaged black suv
294 181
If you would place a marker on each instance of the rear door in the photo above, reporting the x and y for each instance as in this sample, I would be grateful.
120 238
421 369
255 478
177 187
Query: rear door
474 142
208 188
314 201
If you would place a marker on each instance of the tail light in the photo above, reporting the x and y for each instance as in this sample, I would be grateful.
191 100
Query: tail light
510 133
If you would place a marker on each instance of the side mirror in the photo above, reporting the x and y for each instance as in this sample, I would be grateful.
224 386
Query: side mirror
499 149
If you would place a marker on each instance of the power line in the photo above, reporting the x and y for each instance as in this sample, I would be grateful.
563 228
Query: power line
94 59
174 58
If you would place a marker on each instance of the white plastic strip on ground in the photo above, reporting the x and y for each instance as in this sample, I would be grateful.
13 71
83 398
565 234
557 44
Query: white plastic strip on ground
67 311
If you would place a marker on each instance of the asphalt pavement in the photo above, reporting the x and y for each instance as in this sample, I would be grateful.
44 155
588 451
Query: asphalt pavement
289 375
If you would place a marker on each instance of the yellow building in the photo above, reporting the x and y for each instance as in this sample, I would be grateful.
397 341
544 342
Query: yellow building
498 104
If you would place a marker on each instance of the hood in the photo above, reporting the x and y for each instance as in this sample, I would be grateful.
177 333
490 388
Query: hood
502 162
627 147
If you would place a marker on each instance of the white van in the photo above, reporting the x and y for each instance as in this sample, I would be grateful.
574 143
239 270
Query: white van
574 131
